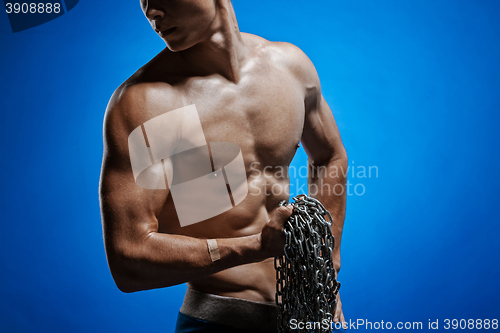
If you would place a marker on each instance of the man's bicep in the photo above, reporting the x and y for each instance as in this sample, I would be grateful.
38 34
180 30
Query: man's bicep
120 193
321 137
129 211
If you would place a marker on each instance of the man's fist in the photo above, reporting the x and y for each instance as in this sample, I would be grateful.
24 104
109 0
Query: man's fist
272 237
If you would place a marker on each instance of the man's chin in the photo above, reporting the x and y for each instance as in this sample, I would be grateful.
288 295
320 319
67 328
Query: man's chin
177 46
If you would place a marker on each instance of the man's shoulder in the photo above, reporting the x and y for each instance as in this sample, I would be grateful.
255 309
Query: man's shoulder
286 56
136 101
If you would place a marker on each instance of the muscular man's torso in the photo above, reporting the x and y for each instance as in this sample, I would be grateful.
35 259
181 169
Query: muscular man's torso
263 113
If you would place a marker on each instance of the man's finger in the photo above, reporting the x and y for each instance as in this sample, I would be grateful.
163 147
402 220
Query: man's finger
338 314
284 212
342 318
338 311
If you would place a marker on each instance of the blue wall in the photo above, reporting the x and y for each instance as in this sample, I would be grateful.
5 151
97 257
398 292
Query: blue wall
414 86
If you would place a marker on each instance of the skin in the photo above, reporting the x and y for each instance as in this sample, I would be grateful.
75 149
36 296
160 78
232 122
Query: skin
263 96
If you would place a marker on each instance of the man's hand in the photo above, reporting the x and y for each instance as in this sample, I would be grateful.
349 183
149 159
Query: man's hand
338 317
272 237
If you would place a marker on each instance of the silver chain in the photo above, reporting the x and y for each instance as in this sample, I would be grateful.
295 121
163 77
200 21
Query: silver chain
306 285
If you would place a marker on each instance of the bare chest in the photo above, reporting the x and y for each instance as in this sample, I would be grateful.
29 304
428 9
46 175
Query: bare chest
264 116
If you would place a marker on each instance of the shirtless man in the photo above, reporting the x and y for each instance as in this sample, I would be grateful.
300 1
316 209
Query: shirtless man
263 96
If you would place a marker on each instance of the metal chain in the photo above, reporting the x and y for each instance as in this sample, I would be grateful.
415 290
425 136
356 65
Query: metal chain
306 286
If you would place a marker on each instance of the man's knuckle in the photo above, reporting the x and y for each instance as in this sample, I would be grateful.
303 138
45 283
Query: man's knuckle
282 210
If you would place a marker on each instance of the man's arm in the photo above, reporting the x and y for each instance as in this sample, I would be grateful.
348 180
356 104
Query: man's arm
327 156
327 173
139 257
322 143
327 166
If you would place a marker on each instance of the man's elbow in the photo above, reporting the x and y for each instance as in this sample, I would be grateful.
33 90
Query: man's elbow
123 278
132 270
122 264
125 287
341 156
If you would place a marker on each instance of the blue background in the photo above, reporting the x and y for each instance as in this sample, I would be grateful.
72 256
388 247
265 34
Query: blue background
414 86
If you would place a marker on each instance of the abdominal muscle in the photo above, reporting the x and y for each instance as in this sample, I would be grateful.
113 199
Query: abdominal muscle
256 281
253 282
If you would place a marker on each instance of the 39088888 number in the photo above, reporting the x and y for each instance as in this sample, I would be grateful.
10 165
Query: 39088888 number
470 324
33 8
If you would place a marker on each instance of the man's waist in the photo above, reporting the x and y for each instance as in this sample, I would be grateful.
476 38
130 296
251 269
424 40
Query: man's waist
230 311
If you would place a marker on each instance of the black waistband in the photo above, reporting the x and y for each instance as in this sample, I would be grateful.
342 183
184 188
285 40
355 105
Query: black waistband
230 311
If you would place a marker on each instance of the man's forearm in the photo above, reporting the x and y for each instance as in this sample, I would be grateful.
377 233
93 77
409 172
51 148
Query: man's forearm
327 183
164 260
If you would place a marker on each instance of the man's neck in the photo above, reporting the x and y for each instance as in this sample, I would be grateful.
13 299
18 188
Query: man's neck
223 52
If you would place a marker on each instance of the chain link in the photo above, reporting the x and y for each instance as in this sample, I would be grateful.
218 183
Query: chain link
306 285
